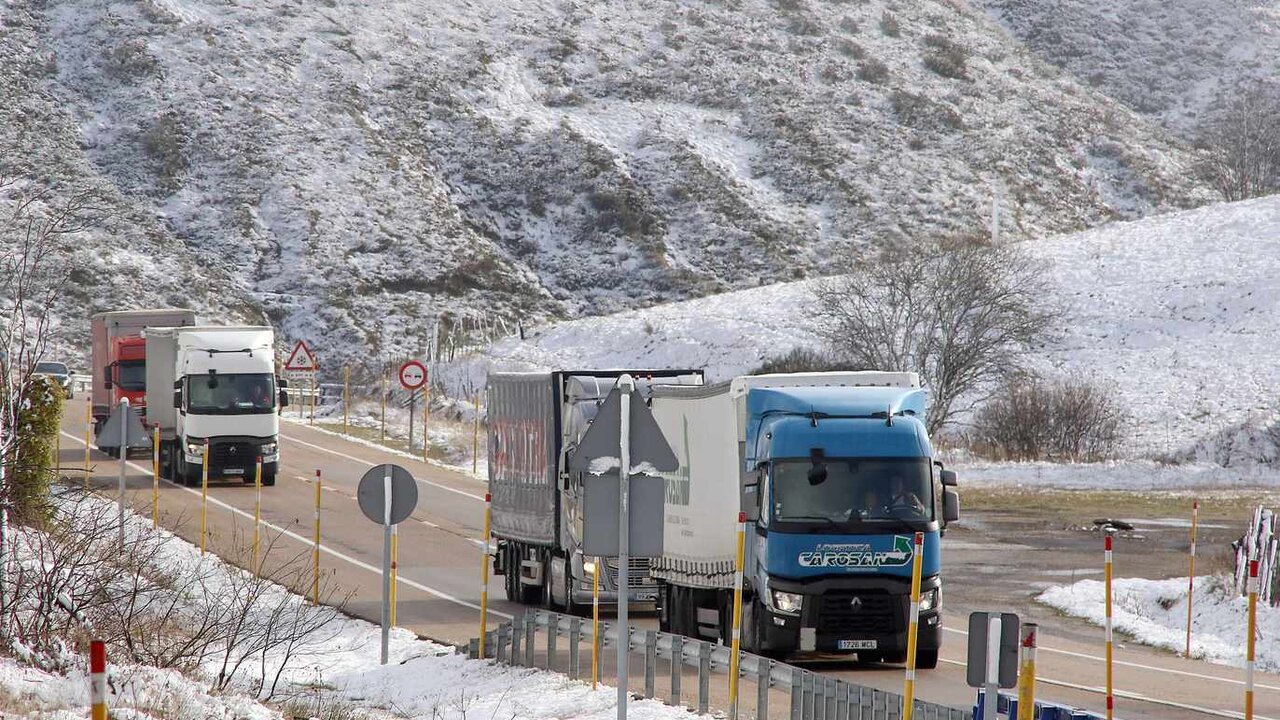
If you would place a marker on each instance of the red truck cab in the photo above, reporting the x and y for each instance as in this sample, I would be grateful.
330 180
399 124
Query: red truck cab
127 374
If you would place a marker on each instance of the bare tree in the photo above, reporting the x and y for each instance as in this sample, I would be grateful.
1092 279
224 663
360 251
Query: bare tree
959 312
1061 420
1243 143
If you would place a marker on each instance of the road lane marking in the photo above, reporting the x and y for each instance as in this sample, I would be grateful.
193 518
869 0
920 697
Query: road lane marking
1133 696
1140 666
309 542
366 463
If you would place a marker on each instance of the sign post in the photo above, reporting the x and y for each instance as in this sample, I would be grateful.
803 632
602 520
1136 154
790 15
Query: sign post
124 431
413 376
993 657
624 425
387 495
301 367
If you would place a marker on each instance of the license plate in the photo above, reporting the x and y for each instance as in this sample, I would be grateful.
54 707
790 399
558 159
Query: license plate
646 596
856 645
233 471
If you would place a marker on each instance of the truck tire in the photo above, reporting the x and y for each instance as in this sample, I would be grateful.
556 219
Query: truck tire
927 659
268 479
509 573
571 607
664 607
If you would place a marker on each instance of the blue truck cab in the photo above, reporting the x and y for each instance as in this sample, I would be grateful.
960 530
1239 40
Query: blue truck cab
836 481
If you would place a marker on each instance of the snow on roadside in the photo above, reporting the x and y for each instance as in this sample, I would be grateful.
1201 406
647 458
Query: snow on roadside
1127 475
1154 612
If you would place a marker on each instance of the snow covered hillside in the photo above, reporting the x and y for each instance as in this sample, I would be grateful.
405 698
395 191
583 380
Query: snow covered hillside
1167 59
353 170
1178 314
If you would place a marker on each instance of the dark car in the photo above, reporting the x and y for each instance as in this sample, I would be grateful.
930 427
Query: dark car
58 371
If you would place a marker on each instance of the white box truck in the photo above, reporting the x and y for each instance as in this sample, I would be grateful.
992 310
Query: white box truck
214 390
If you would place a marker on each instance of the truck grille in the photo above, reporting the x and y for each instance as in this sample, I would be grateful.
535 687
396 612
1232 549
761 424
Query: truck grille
858 613
233 455
639 571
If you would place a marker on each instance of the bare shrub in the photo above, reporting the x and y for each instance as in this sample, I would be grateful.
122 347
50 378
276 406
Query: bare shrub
801 360
922 113
873 71
960 313
889 25
946 57
1243 144
1061 420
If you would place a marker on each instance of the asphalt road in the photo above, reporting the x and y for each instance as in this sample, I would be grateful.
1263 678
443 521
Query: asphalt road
440 558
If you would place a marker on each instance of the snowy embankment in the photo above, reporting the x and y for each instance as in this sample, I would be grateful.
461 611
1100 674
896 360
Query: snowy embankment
1174 314
1154 612
330 670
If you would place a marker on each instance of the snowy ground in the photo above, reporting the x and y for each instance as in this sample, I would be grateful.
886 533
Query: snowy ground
1175 313
338 671
1154 612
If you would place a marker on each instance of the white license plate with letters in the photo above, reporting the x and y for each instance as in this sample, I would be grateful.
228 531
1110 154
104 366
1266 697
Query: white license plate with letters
856 644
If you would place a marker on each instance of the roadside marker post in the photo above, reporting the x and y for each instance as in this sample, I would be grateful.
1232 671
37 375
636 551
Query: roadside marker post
1027 673
257 512
1191 574
395 554
475 434
124 459
155 476
913 629
98 679
1250 645
484 572
1111 699
315 553
734 655
346 395
88 431
204 495
382 403
595 621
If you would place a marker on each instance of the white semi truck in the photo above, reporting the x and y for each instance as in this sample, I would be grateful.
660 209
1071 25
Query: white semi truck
213 389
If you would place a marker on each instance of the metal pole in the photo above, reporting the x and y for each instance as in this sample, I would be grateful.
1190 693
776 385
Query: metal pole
626 385
413 401
475 434
395 556
315 550
426 414
257 512
913 630
1191 574
382 403
1249 645
484 574
155 476
991 689
204 494
346 394
1027 674
595 621
312 395
734 657
124 457
88 431
1111 700
386 563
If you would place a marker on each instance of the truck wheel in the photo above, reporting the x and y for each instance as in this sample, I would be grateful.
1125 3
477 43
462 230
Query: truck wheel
927 659
529 595
570 607
509 573
268 479
664 609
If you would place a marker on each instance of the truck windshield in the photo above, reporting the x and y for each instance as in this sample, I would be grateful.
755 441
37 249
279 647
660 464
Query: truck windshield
853 490
52 368
237 394
132 375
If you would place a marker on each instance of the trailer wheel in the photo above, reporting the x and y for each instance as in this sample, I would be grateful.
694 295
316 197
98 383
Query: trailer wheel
664 607
927 659
511 572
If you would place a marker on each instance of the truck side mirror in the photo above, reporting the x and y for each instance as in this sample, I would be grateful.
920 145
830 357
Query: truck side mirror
106 377
284 398
749 502
949 478
950 506
177 399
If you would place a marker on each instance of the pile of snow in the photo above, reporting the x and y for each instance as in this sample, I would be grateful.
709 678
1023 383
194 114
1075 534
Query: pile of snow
1154 612
1175 314
338 666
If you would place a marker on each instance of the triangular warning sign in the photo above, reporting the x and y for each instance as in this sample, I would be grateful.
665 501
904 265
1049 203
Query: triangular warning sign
301 359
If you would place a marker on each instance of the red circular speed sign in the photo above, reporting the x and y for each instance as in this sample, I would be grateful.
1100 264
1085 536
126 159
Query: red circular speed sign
413 375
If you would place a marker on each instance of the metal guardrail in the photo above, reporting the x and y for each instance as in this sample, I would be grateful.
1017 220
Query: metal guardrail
812 696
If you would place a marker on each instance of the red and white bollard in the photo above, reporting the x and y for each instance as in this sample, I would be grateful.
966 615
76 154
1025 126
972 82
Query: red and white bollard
98 680
1252 587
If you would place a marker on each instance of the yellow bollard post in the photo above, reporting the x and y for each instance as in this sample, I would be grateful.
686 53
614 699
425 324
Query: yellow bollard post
913 628
475 434
395 553
155 476
257 513
736 633
204 496
1250 644
315 553
1027 673
88 432
346 394
1111 699
426 414
484 574
1191 574
382 399
596 568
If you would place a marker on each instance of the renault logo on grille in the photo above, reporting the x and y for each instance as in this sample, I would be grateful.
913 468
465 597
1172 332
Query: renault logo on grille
856 603
231 450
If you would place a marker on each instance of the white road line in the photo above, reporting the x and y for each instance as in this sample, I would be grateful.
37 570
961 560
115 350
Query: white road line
1134 696
366 463
1140 666
310 542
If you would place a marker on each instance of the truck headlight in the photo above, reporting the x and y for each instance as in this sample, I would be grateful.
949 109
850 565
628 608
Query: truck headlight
270 448
589 568
786 602
195 448
929 599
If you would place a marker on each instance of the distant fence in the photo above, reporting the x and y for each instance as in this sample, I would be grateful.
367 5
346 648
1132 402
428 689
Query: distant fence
805 695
